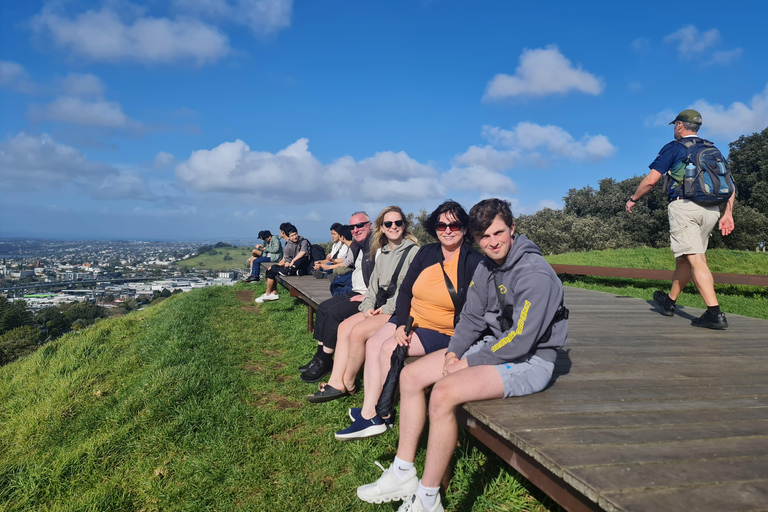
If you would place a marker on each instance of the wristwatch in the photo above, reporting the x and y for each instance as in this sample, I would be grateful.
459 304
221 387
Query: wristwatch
631 198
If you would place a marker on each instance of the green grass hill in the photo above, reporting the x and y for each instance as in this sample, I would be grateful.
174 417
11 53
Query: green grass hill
219 261
195 404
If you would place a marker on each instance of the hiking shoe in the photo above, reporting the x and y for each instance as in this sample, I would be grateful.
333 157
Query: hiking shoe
711 321
266 298
317 370
413 504
665 303
362 428
388 487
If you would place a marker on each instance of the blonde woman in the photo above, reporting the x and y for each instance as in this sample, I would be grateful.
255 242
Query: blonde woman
394 247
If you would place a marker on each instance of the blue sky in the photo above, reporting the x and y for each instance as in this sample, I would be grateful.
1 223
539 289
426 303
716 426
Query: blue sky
214 119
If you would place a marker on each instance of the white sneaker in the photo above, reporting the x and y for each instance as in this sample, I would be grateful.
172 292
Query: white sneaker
388 487
413 504
265 297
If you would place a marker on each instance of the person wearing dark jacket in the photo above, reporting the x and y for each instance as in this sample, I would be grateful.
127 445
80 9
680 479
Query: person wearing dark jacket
331 312
425 296
516 295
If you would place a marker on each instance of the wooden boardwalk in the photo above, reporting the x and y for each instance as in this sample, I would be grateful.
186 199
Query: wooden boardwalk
647 413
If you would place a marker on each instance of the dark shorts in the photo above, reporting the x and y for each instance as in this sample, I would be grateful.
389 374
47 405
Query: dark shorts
430 339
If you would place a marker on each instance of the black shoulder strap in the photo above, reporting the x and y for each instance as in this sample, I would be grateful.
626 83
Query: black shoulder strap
451 291
393 283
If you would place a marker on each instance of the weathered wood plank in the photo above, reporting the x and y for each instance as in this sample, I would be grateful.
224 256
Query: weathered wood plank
733 497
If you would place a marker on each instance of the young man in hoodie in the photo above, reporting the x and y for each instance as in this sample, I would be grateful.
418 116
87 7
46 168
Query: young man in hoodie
514 293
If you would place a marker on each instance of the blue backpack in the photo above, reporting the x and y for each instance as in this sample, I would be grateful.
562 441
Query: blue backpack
341 284
707 179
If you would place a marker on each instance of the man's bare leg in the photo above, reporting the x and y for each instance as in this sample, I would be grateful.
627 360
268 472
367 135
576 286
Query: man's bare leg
474 383
414 381
702 278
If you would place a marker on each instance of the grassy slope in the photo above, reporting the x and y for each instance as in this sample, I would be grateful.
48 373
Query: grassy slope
195 404
216 262
744 300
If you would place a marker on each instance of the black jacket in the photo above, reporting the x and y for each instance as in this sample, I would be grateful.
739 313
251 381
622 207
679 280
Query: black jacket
427 256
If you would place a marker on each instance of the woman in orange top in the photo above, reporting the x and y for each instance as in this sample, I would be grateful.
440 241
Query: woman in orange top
425 296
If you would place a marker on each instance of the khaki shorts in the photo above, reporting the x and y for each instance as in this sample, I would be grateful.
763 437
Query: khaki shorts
690 226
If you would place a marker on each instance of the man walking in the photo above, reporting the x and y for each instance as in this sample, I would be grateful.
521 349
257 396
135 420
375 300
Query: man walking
514 293
690 225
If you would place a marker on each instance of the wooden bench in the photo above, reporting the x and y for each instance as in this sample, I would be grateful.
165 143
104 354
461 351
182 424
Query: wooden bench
646 413
309 289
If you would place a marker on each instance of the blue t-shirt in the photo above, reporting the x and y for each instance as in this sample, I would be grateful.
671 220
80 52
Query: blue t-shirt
671 160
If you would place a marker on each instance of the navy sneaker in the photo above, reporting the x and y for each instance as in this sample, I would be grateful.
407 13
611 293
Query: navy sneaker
362 428
664 302
356 412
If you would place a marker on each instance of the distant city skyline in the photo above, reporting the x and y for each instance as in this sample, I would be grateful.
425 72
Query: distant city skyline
214 119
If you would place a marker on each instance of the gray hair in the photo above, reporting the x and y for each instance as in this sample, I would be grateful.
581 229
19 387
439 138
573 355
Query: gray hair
693 127
361 213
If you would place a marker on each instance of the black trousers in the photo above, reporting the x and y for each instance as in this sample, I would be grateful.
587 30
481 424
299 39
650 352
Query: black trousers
330 313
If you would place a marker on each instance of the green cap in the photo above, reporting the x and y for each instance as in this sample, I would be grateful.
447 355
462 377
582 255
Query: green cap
688 116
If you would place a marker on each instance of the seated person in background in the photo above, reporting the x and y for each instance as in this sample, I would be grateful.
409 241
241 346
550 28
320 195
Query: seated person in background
514 293
271 251
338 251
425 295
295 261
394 247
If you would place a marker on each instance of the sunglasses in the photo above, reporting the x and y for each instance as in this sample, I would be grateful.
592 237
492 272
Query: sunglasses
360 225
442 226
388 223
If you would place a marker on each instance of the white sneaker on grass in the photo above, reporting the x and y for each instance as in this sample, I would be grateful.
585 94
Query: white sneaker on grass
413 504
265 297
388 487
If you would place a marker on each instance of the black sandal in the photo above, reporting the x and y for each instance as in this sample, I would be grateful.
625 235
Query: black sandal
326 394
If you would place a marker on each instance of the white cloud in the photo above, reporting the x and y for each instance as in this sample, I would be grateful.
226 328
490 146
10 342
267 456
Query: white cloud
725 57
543 72
692 43
479 178
530 138
487 157
737 119
37 161
163 160
263 17
77 84
104 36
86 112
296 174
313 216
13 76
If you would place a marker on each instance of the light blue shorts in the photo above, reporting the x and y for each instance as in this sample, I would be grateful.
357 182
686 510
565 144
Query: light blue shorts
523 376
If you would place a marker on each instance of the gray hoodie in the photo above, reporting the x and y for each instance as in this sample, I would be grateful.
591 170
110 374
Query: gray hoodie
533 289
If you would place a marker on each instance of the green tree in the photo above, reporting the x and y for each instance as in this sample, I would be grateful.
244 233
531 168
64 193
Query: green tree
748 162
19 342
14 314
53 320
